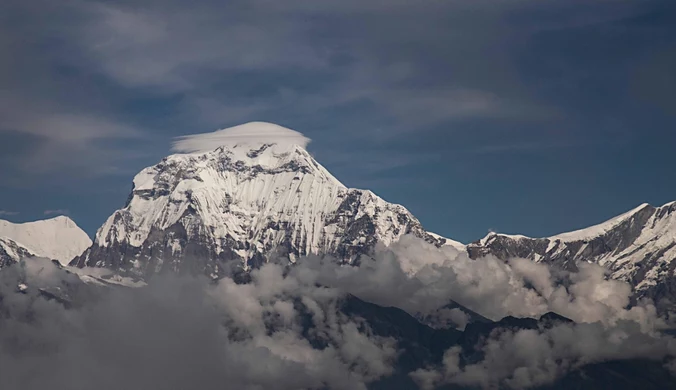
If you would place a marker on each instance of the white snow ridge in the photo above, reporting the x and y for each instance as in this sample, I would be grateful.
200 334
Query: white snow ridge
56 238
637 247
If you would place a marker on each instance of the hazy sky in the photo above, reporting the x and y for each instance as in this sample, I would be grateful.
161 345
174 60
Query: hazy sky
517 116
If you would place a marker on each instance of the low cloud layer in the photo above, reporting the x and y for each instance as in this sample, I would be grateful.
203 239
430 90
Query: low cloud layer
533 357
180 333
285 329
421 278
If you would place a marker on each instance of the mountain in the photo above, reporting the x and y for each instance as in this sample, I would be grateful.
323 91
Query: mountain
638 247
222 211
56 238
242 196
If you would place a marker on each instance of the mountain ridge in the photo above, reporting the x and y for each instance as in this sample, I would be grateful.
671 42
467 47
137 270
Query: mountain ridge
247 201
638 247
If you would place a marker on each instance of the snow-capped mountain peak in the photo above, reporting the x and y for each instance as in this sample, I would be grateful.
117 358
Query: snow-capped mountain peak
56 238
229 187
247 200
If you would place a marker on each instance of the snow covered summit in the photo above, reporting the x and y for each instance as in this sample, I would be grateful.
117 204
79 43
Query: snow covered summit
56 238
256 196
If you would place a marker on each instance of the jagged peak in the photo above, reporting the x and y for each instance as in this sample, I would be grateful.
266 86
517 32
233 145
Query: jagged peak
259 158
492 235
257 145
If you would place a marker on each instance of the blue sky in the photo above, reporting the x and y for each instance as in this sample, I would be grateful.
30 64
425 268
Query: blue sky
518 116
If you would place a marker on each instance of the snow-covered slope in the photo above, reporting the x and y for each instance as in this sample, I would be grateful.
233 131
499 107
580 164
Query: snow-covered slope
638 247
57 238
248 201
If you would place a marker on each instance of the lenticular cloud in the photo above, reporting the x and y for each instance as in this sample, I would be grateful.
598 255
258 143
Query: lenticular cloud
252 132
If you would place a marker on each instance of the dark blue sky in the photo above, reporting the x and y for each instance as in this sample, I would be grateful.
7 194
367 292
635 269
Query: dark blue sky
521 116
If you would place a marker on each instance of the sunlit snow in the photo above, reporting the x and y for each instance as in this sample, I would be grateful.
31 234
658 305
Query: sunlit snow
55 238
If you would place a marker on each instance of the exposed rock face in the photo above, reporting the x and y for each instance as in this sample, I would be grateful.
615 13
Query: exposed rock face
638 247
11 252
236 207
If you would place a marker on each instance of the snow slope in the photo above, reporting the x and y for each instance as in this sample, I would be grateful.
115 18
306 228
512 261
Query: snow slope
57 238
600 229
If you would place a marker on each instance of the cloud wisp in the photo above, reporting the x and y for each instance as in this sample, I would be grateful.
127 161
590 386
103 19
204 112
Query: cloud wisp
248 133
149 69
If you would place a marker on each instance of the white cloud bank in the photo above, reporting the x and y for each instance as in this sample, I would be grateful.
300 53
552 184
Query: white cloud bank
488 286
248 133
285 329
281 331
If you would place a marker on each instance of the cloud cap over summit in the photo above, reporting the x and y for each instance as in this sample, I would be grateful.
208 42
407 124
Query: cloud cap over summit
247 133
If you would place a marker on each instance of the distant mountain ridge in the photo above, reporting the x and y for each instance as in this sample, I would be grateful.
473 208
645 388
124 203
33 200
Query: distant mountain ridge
638 247
57 238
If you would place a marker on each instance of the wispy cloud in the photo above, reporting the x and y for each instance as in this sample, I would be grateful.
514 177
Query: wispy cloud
252 132
5 213
79 143
78 76
168 46
172 49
